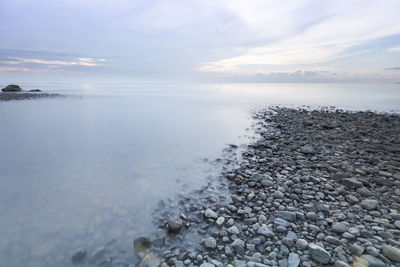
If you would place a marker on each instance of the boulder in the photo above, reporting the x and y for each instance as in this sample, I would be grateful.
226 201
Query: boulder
12 88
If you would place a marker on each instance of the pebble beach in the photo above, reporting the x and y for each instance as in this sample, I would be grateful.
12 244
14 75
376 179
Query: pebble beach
316 188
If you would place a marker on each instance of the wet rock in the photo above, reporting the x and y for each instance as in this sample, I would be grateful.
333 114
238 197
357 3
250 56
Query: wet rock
150 260
79 256
98 254
174 225
141 245
369 204
319 254
392 253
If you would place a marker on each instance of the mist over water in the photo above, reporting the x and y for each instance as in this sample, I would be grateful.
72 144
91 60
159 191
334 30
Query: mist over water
83 170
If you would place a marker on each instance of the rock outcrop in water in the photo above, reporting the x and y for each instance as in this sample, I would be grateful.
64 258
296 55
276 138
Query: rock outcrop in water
319 187
11 88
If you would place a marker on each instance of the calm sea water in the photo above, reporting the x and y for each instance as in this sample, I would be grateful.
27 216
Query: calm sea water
84 170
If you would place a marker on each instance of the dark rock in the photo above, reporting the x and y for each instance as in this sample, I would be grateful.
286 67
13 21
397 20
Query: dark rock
12 88
174 225
78 256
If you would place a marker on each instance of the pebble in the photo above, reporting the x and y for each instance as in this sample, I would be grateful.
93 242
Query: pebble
210 214
293 260
339 227
210 242
390 252
301 244
319 254
220 221
369 204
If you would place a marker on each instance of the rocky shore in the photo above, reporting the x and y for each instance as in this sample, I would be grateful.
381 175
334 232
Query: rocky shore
14 92
317 188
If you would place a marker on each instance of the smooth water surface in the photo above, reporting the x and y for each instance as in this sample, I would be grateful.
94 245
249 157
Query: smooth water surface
83 170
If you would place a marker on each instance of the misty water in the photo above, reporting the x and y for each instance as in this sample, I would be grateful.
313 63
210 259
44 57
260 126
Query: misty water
84 170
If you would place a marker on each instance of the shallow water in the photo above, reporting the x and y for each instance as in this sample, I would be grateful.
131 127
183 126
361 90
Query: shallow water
90 168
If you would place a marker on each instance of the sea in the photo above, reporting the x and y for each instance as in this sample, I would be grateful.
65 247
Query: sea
88 170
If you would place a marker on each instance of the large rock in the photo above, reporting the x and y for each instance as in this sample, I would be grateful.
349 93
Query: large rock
319 254
369 204
11 88
175 225
390 252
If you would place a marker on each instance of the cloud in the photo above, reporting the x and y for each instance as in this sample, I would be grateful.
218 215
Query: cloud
10 69
392 68
340 29
89 62
394 49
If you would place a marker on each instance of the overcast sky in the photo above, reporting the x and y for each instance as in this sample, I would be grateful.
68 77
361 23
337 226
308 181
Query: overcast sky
210 41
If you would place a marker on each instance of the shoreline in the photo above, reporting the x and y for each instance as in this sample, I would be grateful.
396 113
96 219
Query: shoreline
9 96
318 187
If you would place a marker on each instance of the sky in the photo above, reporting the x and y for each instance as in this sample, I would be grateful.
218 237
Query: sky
200 41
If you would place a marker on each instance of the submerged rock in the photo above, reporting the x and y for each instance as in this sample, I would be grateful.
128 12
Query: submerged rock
79 256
